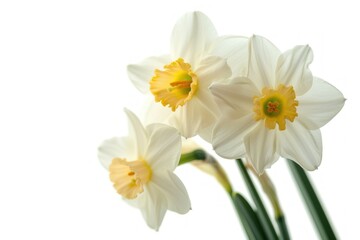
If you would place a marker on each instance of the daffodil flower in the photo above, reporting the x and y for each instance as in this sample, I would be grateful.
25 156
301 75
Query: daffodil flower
276 110
141 169
179 81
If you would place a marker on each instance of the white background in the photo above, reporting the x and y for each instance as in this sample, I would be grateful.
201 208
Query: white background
63 86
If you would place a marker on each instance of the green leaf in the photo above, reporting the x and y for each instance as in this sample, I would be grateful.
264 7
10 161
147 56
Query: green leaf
312 202
248 218
263 215
284 233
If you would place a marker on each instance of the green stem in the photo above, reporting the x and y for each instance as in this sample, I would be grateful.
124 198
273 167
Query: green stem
263 215
313 203
270 191
284 233
191 156
247 215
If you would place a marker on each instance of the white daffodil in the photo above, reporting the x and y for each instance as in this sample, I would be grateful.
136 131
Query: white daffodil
141 168
179 81
276 110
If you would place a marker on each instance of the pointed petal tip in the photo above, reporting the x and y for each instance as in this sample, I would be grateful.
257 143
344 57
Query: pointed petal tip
196 13
128 112
129 67
185 212
131 71
315 167
260 169
132 116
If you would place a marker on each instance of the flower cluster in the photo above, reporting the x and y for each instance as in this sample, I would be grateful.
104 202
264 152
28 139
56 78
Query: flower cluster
241 94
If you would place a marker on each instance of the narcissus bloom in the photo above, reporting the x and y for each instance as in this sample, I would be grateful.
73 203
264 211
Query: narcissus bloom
276 110
141 168
179 81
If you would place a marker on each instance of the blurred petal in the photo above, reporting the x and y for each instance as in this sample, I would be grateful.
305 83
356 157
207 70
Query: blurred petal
262 62
261 147
153 206
117 147
235 99
140 74
212 69
164 147
174 191
293 69
320 104
228 134
301 145
236 50
137 132
191 37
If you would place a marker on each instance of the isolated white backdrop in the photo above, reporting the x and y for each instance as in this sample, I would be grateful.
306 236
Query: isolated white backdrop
63 85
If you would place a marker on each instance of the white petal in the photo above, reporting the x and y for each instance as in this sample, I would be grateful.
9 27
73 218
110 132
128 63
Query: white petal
235 99
262 62
206 133
192 117
209 112
228 134
236 50
141 74
174 191
293 69
153 206
157 113
164 147
138 202
200 117
320 104
261 147
207 101
301 145
120 147
212 69
192 36
137 133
